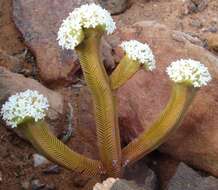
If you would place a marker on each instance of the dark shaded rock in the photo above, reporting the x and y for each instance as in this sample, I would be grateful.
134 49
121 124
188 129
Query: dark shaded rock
141 175
54 169
164 167
151 182
115 6
200 4
185 178
193 6
188 179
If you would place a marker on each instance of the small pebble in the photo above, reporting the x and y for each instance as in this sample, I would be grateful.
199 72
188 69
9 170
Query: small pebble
39 160
196 24
1 177
25 185
212 29
54 169
50 187
36 185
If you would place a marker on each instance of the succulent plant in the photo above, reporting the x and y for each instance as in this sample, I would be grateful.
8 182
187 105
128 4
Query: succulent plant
82 31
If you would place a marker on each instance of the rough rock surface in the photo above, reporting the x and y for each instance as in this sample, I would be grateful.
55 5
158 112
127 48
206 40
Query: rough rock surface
115 6
10 62
212 42
125 185
188 179
193 6
141 175
39 23
143 97
11 83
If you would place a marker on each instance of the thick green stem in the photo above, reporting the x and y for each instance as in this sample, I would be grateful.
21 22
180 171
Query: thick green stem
52 148
169 120
123 72
105 112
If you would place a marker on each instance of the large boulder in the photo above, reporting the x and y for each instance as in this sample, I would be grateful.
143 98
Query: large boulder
145 95
39 22
189 179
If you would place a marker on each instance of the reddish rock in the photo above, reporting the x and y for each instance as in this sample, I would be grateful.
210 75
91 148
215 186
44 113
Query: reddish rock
212 42
144 96
11 83
10 62
39 23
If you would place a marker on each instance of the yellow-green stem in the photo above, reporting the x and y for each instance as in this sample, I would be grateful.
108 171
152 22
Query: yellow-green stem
123 72
52 148
169 120
105 112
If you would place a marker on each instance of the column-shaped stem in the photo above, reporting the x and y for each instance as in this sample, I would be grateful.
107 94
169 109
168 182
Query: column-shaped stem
52 148
170 118
123 72
104 107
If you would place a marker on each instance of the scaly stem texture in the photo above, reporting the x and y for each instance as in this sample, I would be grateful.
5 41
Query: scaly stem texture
123 72
169 120
104 107
52 148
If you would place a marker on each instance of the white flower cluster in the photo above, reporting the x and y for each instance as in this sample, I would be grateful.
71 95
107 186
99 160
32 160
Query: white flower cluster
189 71
71 34
140 52
27 104
106 185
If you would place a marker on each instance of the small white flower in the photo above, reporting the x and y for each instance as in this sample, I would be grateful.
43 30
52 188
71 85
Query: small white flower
71 34
140 52
27 104
189 71
106 185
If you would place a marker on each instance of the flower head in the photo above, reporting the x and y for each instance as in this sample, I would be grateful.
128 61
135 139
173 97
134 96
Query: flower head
189 71
71 34
23 105
140 52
